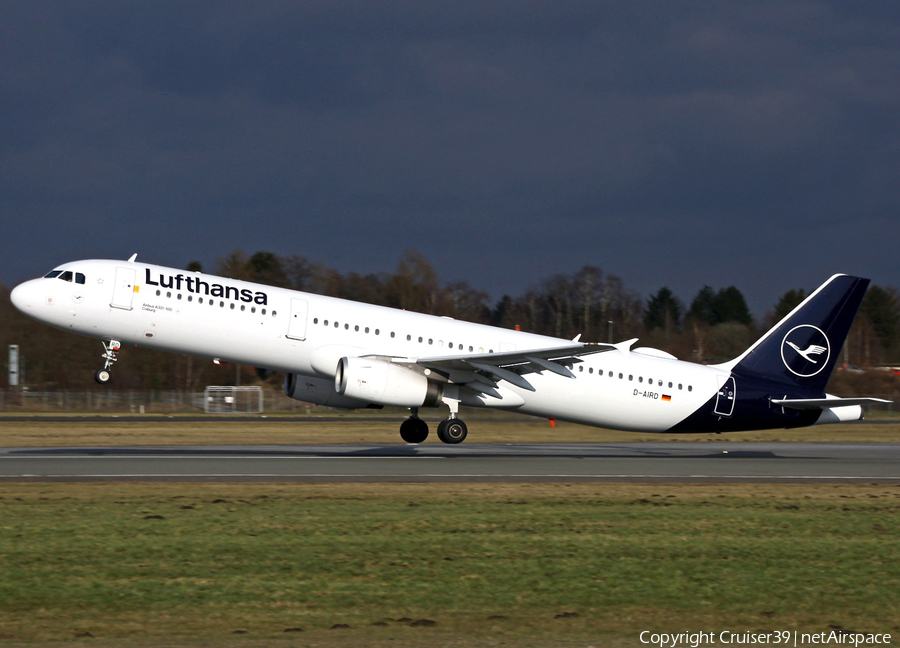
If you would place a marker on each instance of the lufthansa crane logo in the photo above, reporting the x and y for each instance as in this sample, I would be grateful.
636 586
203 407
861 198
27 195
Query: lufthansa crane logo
805 350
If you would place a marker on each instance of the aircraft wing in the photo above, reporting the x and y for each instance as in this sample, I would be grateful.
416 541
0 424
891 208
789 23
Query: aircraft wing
483 371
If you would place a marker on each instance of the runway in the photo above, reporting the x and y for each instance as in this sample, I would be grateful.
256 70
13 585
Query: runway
648 462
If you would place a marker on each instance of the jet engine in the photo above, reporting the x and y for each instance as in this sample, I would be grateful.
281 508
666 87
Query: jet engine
319 391
377 381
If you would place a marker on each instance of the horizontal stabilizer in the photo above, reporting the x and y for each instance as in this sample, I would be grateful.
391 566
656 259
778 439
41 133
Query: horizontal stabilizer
824 403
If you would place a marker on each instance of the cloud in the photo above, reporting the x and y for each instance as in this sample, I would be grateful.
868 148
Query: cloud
646 138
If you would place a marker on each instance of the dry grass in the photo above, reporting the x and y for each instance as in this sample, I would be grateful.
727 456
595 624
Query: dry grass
382 429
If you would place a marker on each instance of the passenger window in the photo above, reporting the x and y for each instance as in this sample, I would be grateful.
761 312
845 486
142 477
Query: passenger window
315 319
274 313
392 334
336 325
367 329
377 332
79 278
179 295
243 307
158 293
580 368
232 306
264 312
670 385
420 340
409 338
679 385
620 376
168 294
253 310
690 388
591 370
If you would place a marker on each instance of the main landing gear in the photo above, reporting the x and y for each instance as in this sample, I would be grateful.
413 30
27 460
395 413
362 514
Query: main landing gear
111 350
414 429
451 430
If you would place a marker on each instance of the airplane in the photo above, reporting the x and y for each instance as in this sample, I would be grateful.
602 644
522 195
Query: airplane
346 354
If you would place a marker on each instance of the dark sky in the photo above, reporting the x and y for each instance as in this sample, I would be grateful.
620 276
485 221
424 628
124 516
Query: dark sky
671 143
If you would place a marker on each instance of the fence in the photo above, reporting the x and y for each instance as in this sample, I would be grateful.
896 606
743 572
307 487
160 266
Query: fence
231 400
100 401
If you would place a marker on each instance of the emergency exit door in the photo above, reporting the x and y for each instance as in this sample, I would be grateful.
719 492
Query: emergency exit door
297 323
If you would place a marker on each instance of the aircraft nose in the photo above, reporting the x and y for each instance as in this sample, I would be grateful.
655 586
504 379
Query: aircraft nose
21 296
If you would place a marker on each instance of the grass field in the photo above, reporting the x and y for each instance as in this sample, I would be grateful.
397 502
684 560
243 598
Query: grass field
447 565
433 564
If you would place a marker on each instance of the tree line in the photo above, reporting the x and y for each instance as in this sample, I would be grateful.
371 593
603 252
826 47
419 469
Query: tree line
715 325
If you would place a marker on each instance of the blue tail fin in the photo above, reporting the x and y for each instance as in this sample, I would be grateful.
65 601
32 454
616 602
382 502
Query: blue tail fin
801 349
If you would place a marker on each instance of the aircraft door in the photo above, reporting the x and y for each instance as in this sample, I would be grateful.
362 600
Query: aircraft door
726 397
124 289
297 323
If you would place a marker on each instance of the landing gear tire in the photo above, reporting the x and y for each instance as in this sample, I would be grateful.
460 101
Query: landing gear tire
102 376
414 430
452 431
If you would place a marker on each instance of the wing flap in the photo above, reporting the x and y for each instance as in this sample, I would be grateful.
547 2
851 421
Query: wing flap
553 367
503 374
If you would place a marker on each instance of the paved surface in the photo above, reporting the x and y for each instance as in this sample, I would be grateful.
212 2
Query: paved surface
663 462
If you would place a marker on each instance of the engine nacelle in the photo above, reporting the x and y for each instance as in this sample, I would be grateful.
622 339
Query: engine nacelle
381 382
319 391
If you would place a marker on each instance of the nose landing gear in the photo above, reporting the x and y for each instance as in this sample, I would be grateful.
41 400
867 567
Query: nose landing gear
110 354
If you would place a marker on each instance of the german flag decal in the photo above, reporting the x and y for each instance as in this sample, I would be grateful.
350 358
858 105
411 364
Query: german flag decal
666 397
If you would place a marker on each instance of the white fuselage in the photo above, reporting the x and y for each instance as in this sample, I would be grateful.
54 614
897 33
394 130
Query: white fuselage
303 333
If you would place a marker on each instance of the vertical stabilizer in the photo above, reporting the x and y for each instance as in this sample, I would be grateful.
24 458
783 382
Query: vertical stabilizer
801 349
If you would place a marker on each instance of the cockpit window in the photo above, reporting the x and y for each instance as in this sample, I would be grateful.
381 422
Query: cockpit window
67 275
